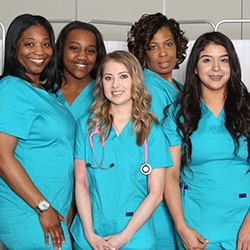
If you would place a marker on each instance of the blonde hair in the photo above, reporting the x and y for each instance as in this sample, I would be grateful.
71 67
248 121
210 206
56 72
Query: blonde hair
142 117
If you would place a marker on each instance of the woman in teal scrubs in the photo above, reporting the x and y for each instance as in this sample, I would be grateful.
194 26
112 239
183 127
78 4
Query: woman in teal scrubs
209 134
160 46
115 204
36 142
80 50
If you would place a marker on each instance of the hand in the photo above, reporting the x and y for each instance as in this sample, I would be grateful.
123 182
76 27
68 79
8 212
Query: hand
192 240
98 243
50 222
71 215
117 240
244 236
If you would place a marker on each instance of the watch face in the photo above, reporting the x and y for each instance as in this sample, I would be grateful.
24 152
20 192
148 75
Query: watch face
44 205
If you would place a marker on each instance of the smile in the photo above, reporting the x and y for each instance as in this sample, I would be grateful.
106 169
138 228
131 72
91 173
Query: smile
116 93
80 65
37 61
215 77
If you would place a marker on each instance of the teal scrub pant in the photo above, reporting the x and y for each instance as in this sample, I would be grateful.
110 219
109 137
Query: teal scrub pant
22 231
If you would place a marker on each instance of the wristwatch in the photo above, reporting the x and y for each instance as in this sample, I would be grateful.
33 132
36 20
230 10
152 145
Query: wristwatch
43 206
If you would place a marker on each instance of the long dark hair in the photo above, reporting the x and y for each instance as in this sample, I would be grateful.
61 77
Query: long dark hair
142 32
12 66
237 99
101 51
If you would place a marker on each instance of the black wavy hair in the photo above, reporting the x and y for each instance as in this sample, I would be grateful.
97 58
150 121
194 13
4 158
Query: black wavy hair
237 99
142 32
12 66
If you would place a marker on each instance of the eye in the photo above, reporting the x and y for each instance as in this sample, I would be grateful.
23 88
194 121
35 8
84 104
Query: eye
224 60
153 47
168 44
206 60
91 51
73 48
46 44
107 78
29 44
124 76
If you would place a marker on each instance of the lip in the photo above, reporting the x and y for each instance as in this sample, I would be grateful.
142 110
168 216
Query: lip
117 93
215 77
37 61
81 65
164 64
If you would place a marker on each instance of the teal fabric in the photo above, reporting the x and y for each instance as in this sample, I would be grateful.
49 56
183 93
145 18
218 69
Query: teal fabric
46 131
122 188
218 194
163 94
82 103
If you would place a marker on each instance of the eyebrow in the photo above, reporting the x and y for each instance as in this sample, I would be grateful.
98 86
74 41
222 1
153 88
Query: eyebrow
90 45
32 38
163 41
212 56
122 72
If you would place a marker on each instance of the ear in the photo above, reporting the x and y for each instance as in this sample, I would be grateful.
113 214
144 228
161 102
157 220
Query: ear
195 71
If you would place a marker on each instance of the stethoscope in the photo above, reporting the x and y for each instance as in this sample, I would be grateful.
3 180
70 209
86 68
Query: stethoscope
145 167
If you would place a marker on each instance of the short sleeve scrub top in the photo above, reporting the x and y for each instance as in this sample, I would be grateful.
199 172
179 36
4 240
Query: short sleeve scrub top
163 94
117 192
216 197
45 130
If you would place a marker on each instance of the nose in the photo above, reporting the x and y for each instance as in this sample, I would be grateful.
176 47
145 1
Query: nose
216 65
82 55
163 51
115 83
39 50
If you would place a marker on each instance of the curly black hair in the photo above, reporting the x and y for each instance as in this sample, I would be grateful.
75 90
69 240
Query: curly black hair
142 32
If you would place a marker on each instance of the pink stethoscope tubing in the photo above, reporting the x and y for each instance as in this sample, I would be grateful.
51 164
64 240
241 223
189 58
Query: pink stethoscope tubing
145 167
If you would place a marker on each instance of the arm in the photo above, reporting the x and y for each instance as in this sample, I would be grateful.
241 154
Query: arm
244 234
144 211
83 203
19 181
190 238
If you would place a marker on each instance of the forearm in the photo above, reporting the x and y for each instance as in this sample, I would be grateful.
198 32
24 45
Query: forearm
19 181
83 204
172 196
143 213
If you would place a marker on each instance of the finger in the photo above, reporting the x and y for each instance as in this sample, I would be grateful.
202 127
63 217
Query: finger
46 238
54 239
62 236
109 246
58 238
61 217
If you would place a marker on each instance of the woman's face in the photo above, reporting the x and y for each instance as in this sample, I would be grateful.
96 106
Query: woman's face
79 55
117 84
34 51
213 68
161 54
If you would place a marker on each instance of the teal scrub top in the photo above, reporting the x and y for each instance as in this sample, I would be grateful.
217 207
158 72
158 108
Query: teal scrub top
218 194
117 192
46 131
163 92
82 103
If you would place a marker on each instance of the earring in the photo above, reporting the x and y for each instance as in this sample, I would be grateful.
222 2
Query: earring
144 65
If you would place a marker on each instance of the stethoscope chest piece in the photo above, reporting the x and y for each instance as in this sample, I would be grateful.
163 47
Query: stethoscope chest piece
146 169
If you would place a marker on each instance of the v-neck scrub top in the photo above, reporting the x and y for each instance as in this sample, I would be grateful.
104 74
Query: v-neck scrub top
117 192
218 194
163 94
45 130
82 103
